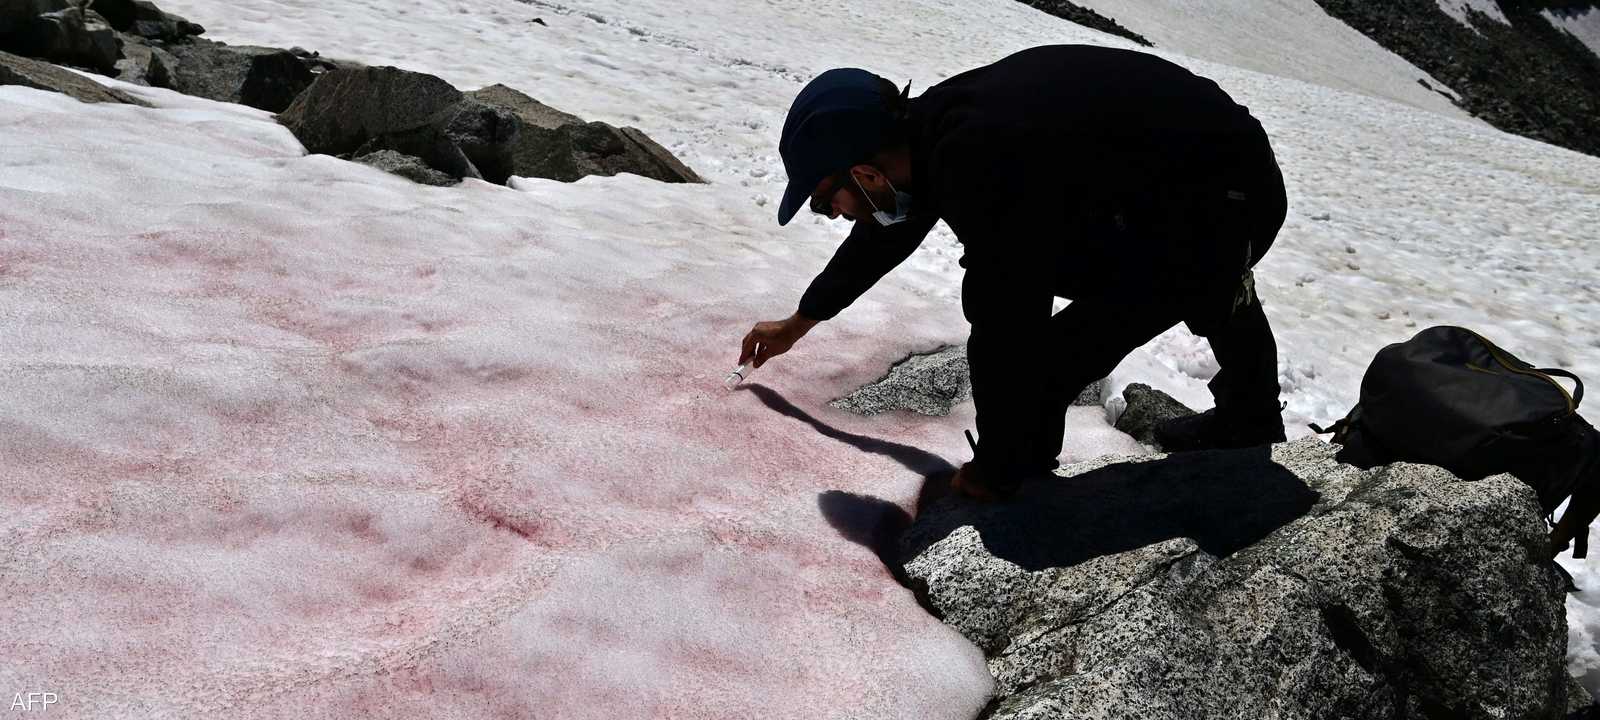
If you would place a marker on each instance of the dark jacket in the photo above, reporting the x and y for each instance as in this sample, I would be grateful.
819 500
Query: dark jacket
1029 161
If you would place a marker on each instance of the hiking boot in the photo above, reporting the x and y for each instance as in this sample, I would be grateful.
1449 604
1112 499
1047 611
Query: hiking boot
1210 431
983 486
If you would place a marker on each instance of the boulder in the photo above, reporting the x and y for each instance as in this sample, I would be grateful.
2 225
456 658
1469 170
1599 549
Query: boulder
405 166
1094 395
931 383
487 135
561 146
261 77
1147 408
18 70
144 19
144 64
69 36
531 112
1266 582
16 15
363 110
926 383
344 109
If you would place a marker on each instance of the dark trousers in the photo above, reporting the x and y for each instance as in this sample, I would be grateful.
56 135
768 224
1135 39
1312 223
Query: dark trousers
1094 336
1208 237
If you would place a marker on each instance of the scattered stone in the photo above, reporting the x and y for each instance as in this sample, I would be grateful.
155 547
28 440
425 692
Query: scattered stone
18 70
1322 217
561 146
1148 408
538 21
261 77
1252 583
1350 249
406 166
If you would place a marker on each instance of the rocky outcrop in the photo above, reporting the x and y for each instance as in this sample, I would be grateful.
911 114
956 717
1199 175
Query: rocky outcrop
487 135
1087 17
261 77
17 70
111 37
924 383
1252 583
560 146
1146 408
143 19
530 111
362 110
931 383
1524 76
392 118
490 134
59 31
145 64
405 166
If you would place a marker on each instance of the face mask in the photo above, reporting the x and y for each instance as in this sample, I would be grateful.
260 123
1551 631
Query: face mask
902 205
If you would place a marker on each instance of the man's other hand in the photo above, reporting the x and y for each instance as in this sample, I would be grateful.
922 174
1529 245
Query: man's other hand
772 338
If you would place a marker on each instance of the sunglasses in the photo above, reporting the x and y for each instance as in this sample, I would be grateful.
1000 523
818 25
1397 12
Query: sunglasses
822 202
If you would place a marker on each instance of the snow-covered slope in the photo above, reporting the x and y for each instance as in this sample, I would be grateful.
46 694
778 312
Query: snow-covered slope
288 437
1291 38
1583 23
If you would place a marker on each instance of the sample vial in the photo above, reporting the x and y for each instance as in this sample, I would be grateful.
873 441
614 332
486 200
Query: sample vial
738 375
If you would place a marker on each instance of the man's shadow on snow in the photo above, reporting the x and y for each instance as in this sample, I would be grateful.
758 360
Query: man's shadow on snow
1224 500
869 521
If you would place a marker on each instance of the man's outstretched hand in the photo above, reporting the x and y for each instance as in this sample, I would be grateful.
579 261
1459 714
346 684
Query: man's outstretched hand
770 339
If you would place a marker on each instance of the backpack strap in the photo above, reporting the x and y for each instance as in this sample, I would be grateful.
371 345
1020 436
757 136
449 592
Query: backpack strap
1334 428
1565 534
1577 395
1340 428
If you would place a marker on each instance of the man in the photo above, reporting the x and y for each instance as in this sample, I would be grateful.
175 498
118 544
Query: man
1112 178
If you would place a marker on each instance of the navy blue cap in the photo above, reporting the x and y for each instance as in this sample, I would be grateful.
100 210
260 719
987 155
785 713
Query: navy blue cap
838 120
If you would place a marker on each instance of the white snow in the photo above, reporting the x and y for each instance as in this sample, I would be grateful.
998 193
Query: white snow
1583 23
285 436
1291 38
1458 9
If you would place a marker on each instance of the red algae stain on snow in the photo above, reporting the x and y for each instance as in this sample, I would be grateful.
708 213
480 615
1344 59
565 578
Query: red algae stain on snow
361 525
177 250
14 264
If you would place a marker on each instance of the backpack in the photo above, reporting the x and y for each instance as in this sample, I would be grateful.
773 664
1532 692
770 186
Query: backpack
1451 398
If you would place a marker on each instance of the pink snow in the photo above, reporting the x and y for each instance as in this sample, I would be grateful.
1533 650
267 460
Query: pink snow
285 436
